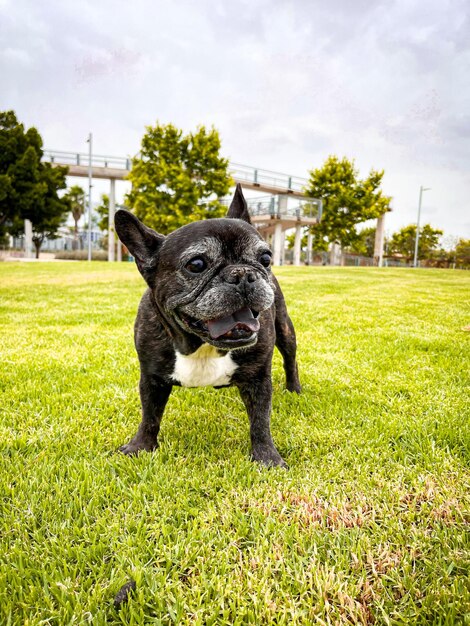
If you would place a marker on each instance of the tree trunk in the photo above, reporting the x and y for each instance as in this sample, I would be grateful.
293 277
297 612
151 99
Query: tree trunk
37 244
75 243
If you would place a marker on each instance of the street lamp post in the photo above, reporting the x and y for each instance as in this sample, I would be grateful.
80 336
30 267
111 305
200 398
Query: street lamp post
89 141
421 190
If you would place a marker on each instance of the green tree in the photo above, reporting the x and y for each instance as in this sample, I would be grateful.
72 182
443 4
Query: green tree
48 212
347 200
290 239
462 253
20 155
103 212
28 187
403 241
364 244
103 220
76 198
178 178
440 258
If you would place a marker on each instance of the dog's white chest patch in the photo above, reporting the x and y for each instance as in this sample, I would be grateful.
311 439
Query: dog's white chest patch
204 368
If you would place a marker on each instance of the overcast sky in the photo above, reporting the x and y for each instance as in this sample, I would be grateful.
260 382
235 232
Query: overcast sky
386 83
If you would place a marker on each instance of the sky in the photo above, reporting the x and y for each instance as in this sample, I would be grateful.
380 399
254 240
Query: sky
286 84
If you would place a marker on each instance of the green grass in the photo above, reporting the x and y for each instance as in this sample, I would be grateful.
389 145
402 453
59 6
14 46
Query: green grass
369 525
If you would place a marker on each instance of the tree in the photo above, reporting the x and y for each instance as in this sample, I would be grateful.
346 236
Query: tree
347 200
178 178
403 241
103 212
440 258
28 187
364 244
76 198
462 253
103 221
290 239
20 155
49 211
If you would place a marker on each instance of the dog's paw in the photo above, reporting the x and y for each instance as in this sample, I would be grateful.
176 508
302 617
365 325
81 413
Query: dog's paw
294 386
268 456
137 445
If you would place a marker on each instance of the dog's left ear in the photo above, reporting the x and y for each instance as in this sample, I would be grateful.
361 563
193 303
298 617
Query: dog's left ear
238 208
142 242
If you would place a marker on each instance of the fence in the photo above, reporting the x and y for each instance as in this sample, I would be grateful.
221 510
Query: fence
58 244
345 260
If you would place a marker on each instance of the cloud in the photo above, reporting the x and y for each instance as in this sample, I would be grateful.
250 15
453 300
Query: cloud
105 63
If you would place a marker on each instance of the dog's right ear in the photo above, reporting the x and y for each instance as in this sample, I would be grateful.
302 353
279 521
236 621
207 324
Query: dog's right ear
238 207
142 242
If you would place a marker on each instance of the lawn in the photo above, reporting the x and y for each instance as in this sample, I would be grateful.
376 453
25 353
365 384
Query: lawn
369 525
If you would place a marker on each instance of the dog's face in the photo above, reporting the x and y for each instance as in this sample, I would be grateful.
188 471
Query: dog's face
212 278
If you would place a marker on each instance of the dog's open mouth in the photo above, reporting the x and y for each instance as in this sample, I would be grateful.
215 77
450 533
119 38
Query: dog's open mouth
239 325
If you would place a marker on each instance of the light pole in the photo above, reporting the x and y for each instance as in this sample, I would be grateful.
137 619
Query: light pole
89 141
421 190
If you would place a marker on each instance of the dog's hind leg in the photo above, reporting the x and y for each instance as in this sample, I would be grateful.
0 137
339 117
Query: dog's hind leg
286 343
287 346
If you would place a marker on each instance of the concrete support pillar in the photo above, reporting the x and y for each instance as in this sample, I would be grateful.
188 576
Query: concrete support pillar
112 210
379 241
277 244
335 254
309 248
283 247
282 205
297 244
28 240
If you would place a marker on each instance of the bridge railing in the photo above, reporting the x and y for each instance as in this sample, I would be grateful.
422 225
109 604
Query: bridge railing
77 158
271 206
242 173
257 176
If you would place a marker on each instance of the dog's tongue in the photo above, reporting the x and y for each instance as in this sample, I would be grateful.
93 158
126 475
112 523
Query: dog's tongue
242 319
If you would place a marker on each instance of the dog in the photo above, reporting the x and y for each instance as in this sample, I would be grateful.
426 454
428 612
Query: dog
211 316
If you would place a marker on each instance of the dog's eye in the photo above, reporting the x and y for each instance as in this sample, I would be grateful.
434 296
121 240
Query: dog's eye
196 265
265 259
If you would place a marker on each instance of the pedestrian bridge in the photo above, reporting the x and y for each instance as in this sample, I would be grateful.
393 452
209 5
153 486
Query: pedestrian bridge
273 215
117 168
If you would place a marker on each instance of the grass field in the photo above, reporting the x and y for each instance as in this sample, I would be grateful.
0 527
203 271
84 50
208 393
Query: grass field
369 525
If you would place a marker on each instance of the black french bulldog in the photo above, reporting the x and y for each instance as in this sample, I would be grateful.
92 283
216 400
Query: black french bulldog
211 316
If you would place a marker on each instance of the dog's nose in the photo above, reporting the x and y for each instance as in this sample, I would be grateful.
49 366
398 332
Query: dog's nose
237 275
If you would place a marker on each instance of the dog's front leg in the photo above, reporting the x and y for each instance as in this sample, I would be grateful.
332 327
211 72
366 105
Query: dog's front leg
154 394
257 398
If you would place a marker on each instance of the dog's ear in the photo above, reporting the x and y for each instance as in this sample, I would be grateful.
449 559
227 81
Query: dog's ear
142 242
238 208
